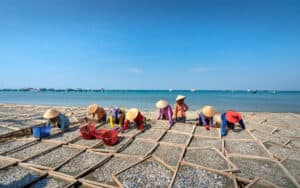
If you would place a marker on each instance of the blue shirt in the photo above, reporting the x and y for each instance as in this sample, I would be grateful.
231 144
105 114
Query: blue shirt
225 123
63 122
202 119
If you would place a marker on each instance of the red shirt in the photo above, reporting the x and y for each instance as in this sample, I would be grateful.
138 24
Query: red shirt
138 120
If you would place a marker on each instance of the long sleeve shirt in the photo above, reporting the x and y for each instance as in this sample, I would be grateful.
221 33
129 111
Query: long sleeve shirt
167 113
138 120
202 118
180 109
63 122
100 113
225 123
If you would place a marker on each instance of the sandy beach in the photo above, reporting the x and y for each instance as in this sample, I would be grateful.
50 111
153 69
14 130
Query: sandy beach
266 153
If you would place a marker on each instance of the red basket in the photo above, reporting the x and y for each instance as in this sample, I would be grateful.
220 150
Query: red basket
88 131
109 137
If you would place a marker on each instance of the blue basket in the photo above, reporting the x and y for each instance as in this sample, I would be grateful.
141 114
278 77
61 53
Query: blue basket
41 131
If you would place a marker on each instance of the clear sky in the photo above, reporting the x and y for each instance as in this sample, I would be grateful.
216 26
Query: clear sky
150 44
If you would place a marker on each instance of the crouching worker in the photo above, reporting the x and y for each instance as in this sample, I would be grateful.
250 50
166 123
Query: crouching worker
228 121
165 111
97 112
55 118
206 117
116 116
133 115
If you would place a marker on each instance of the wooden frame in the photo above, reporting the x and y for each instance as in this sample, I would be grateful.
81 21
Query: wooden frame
156 140
185 124
247 140
115 178
285 172
281 145
222 149
28 131
154 122
60 164
32 156
10 161
130 139
233 169
176 132
92 185
41 173
288 172
172 145
148 153
219 133
21 139
108 156
232 177
252 184
98 184
72 143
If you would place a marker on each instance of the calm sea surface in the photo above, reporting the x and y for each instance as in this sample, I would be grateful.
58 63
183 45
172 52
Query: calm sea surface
281 101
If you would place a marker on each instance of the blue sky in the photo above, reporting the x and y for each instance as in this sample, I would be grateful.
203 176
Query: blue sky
157 44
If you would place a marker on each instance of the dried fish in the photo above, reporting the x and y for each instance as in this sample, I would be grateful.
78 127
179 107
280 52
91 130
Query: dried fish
149 173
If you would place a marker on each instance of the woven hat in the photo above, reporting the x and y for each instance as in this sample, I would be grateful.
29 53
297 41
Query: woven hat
209 111
132 114
180 97
51 113
162 104
92 108
233 116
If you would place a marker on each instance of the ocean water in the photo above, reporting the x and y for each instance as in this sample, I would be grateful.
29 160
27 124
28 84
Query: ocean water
281 101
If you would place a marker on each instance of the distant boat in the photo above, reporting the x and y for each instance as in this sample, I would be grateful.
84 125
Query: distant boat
100 90
30 89
170 89
70 89
252 91
35 90
193 90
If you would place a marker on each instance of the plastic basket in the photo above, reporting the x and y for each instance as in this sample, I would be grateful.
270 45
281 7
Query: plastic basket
41 131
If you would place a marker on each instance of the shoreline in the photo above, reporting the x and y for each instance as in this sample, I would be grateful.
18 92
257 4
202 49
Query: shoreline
189 113
151 114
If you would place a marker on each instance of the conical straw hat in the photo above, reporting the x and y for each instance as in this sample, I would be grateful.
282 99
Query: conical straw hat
51 113
180 97
162 104
209 111
132 114
233 116
92 108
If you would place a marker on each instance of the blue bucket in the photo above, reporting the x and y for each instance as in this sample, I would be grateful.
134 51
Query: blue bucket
41 131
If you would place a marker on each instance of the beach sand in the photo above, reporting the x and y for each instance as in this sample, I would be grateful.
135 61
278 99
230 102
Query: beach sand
269 148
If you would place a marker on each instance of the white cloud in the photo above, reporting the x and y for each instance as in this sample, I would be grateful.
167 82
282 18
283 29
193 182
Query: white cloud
135 70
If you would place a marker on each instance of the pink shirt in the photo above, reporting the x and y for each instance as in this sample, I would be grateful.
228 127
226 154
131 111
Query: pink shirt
167 113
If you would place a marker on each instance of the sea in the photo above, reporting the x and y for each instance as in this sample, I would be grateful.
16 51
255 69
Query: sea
244 101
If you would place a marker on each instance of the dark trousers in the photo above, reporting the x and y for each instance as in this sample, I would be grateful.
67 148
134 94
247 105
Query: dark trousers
181 119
